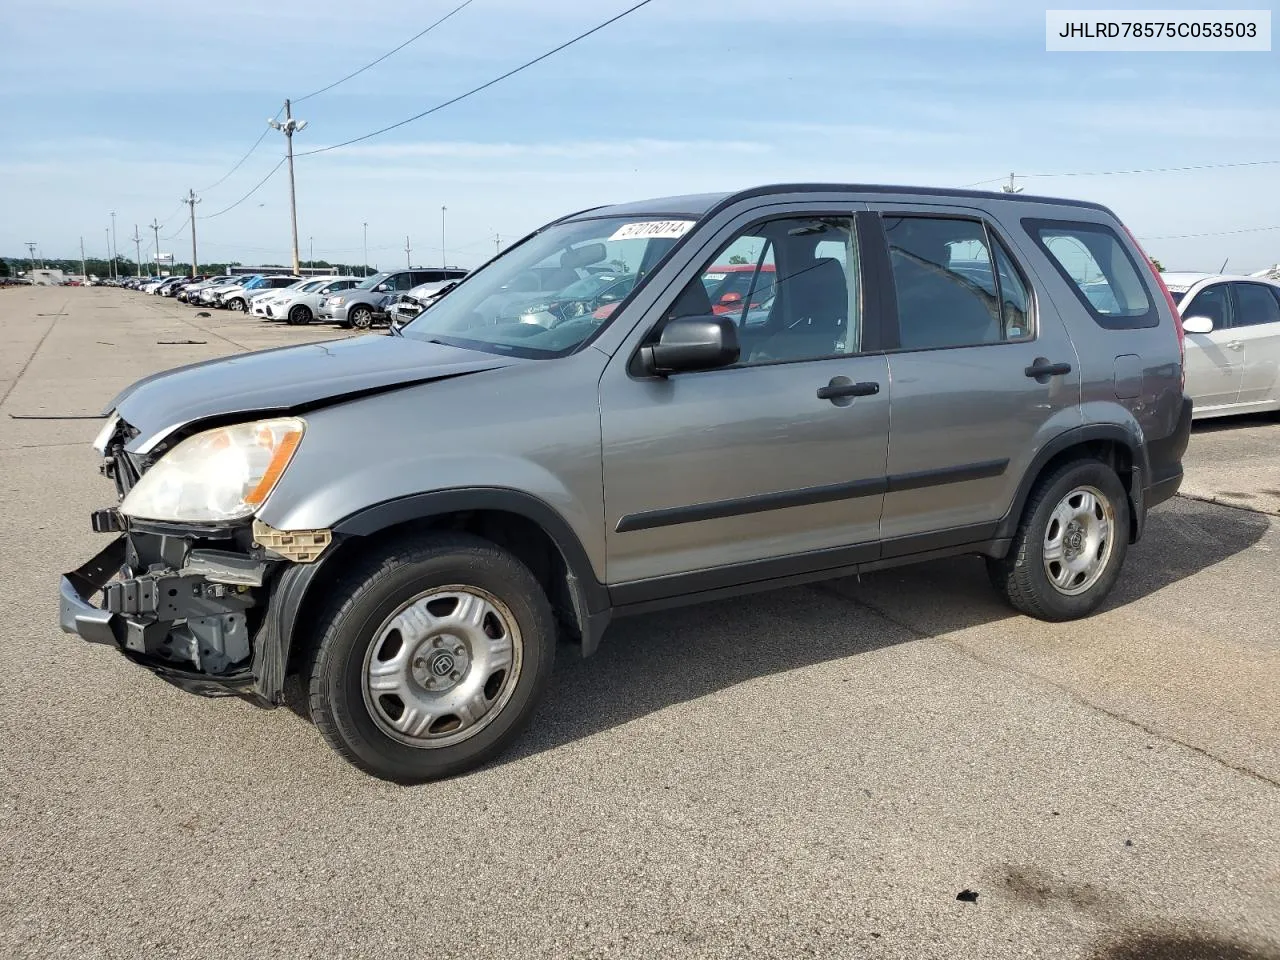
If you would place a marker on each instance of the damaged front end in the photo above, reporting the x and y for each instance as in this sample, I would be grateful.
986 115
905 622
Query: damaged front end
194 603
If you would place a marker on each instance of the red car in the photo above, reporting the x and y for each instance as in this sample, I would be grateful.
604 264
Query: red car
727 285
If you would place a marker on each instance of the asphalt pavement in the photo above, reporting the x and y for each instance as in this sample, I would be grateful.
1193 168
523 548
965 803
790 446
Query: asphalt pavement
833 770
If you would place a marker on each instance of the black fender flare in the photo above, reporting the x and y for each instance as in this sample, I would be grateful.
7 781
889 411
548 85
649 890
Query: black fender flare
1088 433
275 641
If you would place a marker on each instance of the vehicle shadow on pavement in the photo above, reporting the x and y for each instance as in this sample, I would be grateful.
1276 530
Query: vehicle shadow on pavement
652 662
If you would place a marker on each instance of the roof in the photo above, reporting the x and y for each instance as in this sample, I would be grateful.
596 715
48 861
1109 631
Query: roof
1186 280
695 206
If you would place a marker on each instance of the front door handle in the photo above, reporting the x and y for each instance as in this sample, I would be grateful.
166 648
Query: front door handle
841 387
1041 370
1235 344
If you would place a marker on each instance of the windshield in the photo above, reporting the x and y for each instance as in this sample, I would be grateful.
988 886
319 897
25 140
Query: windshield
368 283
547 295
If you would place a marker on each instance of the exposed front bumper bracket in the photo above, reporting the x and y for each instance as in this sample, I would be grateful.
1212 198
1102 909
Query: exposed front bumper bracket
76 614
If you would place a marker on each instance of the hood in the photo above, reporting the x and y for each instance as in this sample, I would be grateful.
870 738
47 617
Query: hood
288 379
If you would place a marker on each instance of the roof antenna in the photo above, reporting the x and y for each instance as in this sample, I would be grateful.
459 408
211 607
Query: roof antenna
1224 265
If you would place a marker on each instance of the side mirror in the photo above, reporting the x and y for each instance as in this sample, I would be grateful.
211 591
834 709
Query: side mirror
692 343
1197 325
380 288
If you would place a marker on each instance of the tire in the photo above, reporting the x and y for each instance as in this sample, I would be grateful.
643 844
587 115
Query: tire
1027 581
360 317
237 305
298 315
361 643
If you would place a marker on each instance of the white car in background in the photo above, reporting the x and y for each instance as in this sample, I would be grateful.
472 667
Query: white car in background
301 306
1232 327
152 285
258 299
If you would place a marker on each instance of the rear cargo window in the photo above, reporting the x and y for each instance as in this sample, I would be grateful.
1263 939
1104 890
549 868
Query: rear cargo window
1091 257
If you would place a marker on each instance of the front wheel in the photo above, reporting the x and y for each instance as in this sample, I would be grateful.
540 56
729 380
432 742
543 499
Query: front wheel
432 656
360 317
299 314
236 306
1067 552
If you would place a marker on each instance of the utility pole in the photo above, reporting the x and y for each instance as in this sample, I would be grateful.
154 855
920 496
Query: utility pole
191 200
444 257
31 249
408 263
83 272
497 244
364 267
137 245
1011 186
289 128
111 264
115 248
312 261
155 261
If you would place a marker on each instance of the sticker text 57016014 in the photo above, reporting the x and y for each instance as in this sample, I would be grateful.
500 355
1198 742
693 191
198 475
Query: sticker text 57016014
652 230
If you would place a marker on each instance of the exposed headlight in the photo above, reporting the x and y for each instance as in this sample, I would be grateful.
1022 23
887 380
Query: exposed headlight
104 435
222 474
337 301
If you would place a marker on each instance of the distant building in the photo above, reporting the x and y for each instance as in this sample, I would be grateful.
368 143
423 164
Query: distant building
47 278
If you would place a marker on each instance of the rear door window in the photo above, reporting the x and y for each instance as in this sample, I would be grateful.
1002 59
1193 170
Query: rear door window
945 281
1092 259
1254 304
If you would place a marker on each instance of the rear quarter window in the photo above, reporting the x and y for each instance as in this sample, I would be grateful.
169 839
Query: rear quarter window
1100 271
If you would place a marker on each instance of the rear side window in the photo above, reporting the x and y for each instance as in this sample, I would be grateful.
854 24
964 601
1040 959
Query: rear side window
1093 260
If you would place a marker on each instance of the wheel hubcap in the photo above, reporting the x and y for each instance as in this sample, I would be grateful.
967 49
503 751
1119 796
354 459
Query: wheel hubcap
1078 540
442 667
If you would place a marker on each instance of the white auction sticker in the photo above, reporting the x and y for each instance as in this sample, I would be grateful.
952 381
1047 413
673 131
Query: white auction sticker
1134 31
652 230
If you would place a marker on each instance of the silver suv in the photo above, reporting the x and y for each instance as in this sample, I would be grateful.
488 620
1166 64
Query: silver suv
407 522
365 303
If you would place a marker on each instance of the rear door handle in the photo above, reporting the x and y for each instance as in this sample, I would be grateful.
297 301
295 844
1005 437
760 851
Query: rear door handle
841 387
1041 370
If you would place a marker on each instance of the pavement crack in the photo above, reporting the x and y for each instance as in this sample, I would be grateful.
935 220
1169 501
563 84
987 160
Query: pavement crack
39 344
1060 687
1217 502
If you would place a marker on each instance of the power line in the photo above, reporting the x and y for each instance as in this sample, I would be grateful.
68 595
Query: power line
483 86
256 188
1116 173
374 63
1215 233
257 143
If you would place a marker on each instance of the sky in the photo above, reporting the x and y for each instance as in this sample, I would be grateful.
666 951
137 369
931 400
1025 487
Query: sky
121 105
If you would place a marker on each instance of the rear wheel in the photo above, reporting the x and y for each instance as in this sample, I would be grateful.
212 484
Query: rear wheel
299 314
360 317
1067 552
432 657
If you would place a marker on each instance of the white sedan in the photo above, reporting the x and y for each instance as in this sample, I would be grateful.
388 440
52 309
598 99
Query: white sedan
260 299
300 306
1232 329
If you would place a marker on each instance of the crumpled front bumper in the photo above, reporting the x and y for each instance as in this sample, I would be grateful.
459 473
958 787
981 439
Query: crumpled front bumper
138 618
